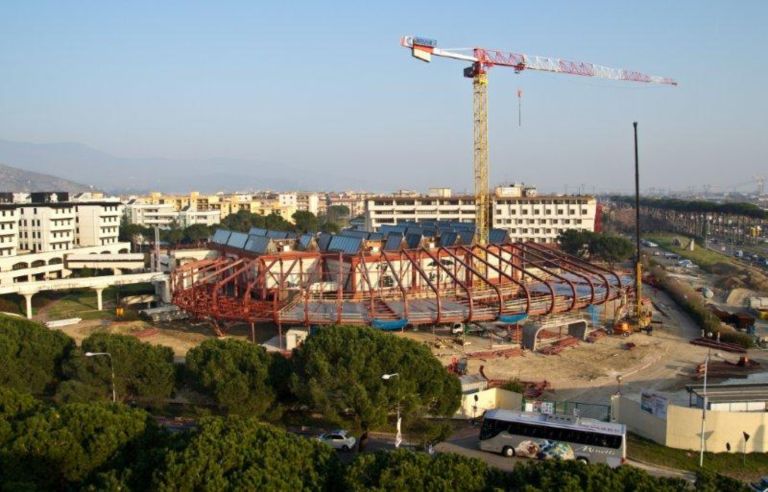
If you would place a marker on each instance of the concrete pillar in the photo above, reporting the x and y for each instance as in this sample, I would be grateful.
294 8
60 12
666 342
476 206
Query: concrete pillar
28 298
99 290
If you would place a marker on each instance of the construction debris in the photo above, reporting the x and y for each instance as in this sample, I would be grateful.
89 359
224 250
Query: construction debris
728 347
559 346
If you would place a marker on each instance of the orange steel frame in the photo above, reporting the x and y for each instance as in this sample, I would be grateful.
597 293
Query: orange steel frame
468 283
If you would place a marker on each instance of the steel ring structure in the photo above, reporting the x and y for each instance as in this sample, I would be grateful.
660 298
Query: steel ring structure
425 285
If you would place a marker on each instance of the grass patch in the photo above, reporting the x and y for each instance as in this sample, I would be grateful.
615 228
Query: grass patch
705 258
79 303
729 464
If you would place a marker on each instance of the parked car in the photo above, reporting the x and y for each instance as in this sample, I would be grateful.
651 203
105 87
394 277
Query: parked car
761 485
338 439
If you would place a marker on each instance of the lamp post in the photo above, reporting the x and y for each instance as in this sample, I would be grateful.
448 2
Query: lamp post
398 436
704 405
111 368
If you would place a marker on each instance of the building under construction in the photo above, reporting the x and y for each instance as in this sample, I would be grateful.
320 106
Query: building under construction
415 274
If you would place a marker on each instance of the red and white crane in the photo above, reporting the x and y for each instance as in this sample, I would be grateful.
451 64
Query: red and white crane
483 59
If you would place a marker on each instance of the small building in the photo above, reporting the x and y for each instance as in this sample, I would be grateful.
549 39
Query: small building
472 383
748 397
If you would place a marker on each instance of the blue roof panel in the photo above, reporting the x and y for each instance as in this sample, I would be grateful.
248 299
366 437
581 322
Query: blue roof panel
237 240
345 244
277 234
306 240
449 238
258 244
497 236
323 241
257 231
413 240
221 236
394 241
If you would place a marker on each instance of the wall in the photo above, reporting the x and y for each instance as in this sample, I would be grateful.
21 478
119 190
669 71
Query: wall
488 400
682 427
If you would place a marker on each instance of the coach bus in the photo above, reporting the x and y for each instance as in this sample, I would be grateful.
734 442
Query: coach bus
535 435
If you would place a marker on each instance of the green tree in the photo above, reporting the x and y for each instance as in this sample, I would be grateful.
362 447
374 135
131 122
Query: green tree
338 214
240 453
142 371
14 405
330 227
235 374
406 470
339 373
31 355
305 221
589 244
61 446
196 233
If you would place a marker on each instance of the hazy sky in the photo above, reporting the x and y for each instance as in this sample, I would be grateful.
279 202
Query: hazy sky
326 85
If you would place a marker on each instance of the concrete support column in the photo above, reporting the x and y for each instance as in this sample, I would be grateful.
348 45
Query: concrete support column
99 291
28 298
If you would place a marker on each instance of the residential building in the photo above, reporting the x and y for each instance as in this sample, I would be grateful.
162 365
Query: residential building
518 209
190 217
46 226
308 202
150 215
9 230
97 223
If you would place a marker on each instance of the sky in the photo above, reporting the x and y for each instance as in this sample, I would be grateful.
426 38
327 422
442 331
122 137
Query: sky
325 86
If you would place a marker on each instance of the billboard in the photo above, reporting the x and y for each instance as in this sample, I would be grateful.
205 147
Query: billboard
654 404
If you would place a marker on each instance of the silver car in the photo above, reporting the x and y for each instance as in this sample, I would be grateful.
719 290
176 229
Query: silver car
338 439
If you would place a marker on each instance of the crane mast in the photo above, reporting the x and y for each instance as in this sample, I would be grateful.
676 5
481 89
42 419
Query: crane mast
483 59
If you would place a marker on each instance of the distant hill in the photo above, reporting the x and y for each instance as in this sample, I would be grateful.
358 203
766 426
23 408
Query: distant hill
137 175
14 179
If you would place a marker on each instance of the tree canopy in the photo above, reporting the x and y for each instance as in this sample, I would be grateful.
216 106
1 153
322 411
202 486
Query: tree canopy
235 374
696 206
240 453
305 221
589 244
31 355
339 373
64 445
142 371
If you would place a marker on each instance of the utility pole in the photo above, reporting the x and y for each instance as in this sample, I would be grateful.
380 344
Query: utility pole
638 265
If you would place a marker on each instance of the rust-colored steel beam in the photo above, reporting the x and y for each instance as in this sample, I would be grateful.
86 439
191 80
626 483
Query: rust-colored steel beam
502 274
417 268
527 250
480 276
399 280
519 268
455 279
575 297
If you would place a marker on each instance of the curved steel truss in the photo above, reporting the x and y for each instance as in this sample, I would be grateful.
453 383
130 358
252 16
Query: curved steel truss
417 286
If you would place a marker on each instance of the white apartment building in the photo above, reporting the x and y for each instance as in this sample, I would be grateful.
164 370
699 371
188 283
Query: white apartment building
46 227
150 215
308 202
190 217
394 209
97 223
9 230
526 215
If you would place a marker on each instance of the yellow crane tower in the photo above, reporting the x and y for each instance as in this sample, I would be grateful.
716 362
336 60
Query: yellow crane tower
482 60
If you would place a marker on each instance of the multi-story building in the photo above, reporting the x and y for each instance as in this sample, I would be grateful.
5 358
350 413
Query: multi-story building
9 230
150 215
97 223
526 215
190 217
46 226
308 202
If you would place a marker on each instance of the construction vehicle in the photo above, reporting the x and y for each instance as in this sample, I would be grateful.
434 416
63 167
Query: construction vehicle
481 61
629 319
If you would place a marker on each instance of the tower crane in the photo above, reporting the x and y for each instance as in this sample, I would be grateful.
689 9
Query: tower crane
482 60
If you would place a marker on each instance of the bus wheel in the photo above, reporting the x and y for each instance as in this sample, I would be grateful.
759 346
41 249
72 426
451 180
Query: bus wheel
583 461
508 451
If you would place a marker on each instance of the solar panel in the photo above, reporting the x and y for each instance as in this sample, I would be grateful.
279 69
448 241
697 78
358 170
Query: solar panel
306 240
345 244
394 241
466 236
257 231
277 234
376 236
221 236
323 241
413 240
355 233
237 240
497 236
258 244
449 238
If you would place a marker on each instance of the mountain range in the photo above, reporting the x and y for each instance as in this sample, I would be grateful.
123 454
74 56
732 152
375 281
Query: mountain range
100 170
14 179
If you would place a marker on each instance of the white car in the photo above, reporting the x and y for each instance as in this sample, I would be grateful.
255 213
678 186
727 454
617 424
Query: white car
338 439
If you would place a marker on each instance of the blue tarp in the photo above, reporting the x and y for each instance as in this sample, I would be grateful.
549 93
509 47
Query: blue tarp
512 319
389 325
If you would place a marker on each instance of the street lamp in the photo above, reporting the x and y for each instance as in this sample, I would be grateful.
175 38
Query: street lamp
704 405
111 368
398 436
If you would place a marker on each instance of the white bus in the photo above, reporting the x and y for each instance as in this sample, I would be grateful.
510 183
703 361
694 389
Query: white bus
536 435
